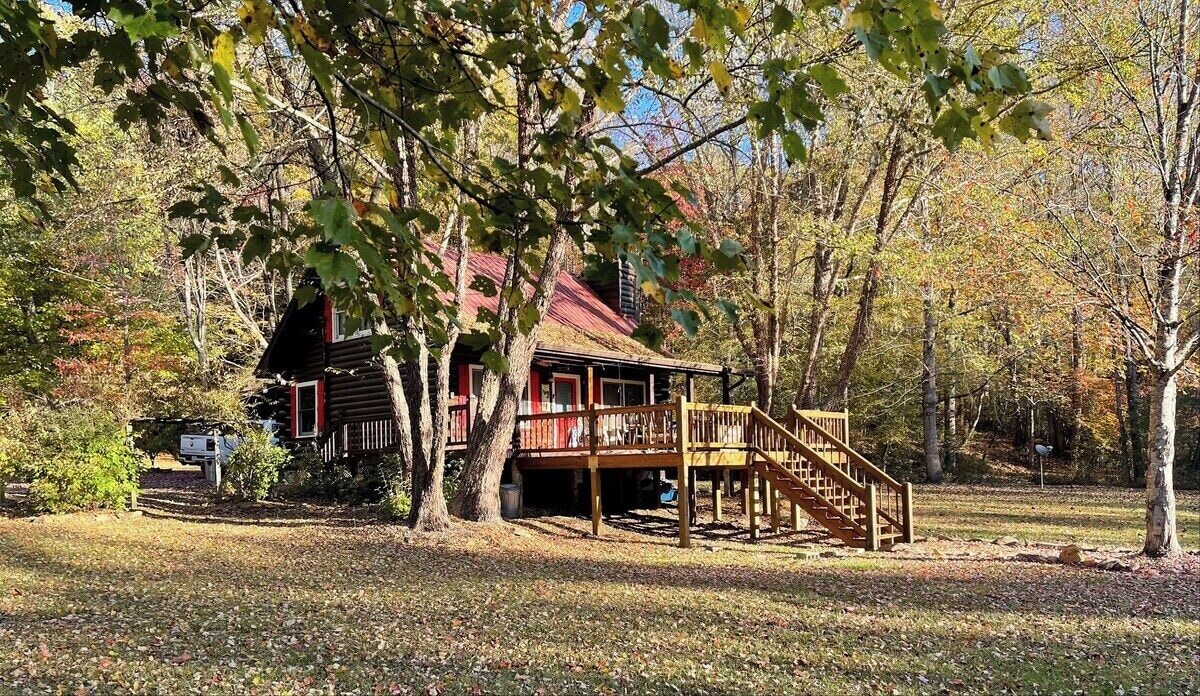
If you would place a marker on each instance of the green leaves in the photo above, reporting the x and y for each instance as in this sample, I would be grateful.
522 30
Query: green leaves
831 83
494 361
139 26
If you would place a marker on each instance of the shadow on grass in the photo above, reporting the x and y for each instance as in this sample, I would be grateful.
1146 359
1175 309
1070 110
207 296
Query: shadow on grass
187 496
444 605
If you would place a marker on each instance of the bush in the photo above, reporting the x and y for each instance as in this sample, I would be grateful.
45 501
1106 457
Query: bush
80 460
253 467
396 506
351 480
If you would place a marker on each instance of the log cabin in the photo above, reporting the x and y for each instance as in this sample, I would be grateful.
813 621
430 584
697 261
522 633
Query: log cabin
603 416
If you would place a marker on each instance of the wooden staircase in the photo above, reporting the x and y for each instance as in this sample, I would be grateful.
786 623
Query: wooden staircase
810 467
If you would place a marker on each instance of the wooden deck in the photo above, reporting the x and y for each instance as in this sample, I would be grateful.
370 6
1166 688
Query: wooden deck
805 463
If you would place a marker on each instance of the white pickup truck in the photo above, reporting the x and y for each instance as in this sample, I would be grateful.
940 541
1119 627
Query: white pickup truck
211 451
202 449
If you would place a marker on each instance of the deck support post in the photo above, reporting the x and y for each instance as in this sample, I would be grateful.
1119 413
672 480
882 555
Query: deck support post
746 502
683 474
795 517
907 501
728 476
595 472
752 501
693 493
872 524
716 495
774 494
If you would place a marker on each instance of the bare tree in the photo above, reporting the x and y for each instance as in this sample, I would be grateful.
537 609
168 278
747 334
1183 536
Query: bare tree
1158 88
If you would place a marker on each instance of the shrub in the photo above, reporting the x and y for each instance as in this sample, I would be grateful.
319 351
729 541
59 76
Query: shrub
351 480
82 460
396 506
253 467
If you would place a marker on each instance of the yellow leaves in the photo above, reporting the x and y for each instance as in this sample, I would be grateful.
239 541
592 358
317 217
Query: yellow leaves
256 17
653 291
223 55
742 14
984 131
303 32
675 68
720 75
223 52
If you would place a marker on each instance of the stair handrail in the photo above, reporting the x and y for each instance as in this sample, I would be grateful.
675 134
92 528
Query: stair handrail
812 455
858 459
829 505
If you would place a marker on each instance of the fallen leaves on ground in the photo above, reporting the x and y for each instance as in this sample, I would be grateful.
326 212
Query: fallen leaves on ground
192 597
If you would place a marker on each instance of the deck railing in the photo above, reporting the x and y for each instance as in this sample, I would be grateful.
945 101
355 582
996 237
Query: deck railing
359 435
652 427
599 429
894 500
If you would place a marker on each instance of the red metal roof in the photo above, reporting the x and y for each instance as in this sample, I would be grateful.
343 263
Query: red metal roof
573 306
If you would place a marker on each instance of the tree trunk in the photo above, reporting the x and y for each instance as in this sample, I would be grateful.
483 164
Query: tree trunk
1127 460
860 331
429 512
420 432
1031 440
929 395
822 295
951 431
478 496
1133 407
1074 439
1162 536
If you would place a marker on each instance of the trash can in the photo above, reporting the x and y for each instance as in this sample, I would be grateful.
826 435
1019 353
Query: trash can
510 501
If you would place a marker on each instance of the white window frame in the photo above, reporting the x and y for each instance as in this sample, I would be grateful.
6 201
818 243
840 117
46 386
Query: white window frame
616 380
579 401
317 408
336 329
524 408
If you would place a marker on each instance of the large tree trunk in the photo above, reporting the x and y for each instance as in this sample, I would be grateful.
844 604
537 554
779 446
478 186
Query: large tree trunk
1119 411
428 402
1161 533
860 331
1162 536
419 413
478 496
929 394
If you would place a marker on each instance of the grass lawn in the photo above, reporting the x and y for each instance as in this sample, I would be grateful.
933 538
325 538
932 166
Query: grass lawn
190 597
1105 517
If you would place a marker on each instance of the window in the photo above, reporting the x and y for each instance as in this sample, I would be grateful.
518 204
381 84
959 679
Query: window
341 322
622 392
523 408
305 409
